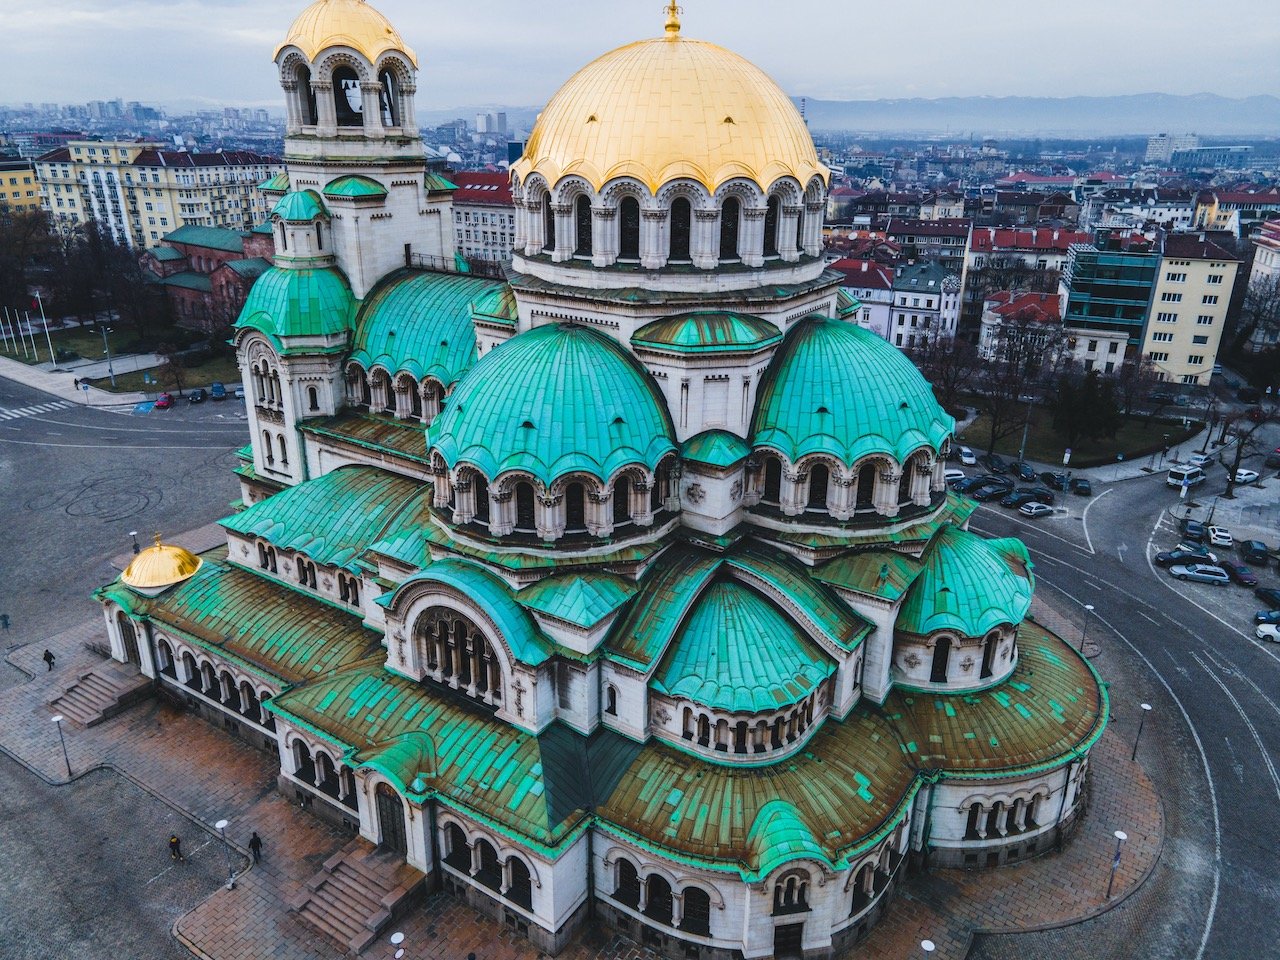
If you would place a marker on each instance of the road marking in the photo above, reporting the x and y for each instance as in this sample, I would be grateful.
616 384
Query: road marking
111 446
171 865
1145 617
33 410
1037 529
1084 517
1257 738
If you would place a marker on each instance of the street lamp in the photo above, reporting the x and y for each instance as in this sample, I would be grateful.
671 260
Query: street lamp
397 938
221 827
133 535
57 719
1146 708
1088 609
106 348
1121 837
927 946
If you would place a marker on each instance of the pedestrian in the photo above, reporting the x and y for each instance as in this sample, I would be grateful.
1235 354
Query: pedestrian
255 847
48 659
175 848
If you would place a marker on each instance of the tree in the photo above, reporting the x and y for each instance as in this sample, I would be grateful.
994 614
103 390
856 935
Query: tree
1244 426
1133 382
25 248
1259 312
1084 407
170 371
948 364
1025 351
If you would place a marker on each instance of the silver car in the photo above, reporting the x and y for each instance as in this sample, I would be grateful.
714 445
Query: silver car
1200 573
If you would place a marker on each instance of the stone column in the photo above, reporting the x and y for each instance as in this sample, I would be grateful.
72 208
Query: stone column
326 112
371 109
840 496
791 493
292 108
599 513
464 509
653 234
521 235
502 513
604 236
813 210
921 477
549 517
408 114
885 497
751 239
563 212
938 479
704 243
789 217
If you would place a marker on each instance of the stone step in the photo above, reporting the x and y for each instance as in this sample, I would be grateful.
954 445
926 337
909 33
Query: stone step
352 886
73 704
344 912
378 883
325 923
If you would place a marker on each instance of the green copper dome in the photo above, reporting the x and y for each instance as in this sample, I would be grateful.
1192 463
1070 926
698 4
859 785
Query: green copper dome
355 188
300 206
968 584
420 322
738 652
838 389
707 332
553 401
299 303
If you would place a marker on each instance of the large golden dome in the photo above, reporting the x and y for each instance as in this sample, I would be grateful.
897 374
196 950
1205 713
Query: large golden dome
160 566
666 108
345 23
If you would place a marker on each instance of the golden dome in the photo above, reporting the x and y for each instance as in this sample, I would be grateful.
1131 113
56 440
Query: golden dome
345 23
161 565
666 108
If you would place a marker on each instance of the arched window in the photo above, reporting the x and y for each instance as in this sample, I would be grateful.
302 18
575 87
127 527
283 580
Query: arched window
611 700
313 398
704 731
284 238
458 854
800 230
941 657
415 401
319 237
490 870
771 228
249 705
526 521
622 502
267 448
481 487
575 508
582 225
681 227
389 99
772 481
658 900
791 894
347 97
866 487
971 823
658 492
520 888
819 479
629 229
164 653
628 889
548 224
458 655
989 653
697 912
284 451
730 217
306 97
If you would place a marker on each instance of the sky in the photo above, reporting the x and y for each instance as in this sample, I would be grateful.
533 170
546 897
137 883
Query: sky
498 52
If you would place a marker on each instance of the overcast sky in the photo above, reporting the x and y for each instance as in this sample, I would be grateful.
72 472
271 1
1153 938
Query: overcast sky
499 52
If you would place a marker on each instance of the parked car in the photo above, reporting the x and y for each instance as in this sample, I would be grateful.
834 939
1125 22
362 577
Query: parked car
994 462
1220 537
1160 396
1268 631
988 491
1268 595
1239 573
965 484
1185 554
1194 531
217 391
1035 510
1082 486
1200 460
198 395
1248 395
1018 498
1055 481
1255 552
1039 494
1246 476
239 393
952 474
164 401
1273 460
1200 573
1024 471
967 457
995 478
1267 616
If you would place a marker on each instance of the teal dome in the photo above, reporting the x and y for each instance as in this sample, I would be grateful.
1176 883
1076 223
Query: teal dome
968 584
553 401
299 303
300 206
838 389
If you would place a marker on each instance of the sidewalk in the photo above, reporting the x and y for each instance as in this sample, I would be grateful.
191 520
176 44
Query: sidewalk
208 775
62 384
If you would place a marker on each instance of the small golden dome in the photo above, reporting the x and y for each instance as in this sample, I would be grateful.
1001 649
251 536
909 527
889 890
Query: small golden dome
344 23
161 565
667 108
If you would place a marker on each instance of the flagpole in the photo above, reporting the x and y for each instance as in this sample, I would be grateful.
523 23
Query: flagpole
17 323
47 338
4 330
31 332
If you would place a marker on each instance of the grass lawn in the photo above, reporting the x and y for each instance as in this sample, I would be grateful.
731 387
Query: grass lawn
1137 437
80 340
217 370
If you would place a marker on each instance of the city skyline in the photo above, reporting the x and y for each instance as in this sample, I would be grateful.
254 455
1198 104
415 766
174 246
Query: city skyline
976 48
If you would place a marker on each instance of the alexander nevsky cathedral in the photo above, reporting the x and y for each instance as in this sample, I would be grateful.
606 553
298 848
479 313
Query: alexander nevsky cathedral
622 584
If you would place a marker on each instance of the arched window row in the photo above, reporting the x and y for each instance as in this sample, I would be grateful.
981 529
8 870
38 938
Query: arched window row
576 507
265 378
683 225
872 876
1006 817
273 443
688 910
750 737
315 767
509 877
459 656
402 396
341 90
791 893
233 691
819 487
968 661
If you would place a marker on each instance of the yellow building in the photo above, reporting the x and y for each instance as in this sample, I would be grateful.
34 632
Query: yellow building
18 188
138 192
1189 308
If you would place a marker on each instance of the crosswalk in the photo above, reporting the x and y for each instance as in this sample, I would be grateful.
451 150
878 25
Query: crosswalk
34 410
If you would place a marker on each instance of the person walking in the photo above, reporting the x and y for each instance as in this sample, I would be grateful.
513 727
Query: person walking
255 847
175 848
49 659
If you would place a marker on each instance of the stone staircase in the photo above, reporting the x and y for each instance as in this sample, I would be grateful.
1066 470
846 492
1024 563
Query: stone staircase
100 693
357 894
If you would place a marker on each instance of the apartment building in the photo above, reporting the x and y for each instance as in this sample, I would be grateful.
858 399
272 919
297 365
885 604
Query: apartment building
19 191
1237 211
926 303
1107 286
484 215
871 283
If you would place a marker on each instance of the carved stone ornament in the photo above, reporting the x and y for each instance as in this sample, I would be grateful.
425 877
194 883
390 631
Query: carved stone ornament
967 664
662 716
911 660
735 491
244 549
695 493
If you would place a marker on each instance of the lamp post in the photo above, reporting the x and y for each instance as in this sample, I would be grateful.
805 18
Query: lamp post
1146 708
133 535
221 827
397 938
57 719
1026 425
1088 609
106 348
927 946
1121 837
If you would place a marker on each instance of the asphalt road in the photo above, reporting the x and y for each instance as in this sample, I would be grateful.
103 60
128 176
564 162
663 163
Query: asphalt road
1210 742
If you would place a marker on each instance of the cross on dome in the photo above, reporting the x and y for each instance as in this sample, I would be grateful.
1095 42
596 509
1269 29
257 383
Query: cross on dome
673 18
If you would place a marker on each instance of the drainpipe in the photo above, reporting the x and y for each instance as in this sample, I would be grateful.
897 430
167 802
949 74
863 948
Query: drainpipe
591 872
435 844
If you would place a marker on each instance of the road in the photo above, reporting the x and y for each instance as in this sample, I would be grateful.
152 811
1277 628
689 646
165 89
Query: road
1210 742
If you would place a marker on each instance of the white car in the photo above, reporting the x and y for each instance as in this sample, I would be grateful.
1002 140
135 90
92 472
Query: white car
1220 537
952 474
1035 510
1246 476
1268 631
967 457
1200 460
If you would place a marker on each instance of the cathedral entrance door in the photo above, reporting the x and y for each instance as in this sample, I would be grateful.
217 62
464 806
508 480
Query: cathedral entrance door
130 638
787 939
391 820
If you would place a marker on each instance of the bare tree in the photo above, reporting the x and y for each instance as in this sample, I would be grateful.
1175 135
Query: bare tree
1259 312
1027 351
948 364
170 372
1134 381
1244 427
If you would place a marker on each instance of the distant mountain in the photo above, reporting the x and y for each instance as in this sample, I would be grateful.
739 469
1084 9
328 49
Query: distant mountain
1145 113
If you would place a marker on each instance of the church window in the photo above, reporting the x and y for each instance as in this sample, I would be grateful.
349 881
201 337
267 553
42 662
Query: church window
771 228
611 700
681 218
582 223
284 238
989 653
941 656
575 520
526 521
490 870
697 912
267 448
629 239
459 853
800 230
458 655
284 452
306 97
819 479
866 487
658 905
791 894
347 98
627 889
482 499
313 399
548 225
319 238
622 501
772 481
520 887
389 99
730 217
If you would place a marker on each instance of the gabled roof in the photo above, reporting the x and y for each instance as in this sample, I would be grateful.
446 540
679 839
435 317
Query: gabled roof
867 274
583 599
188 280
990 239
355 188
716 448
166 254
276 184
249 269
483 189
212 238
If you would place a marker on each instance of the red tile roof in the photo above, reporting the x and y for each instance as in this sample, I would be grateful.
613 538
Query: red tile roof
1028 307
177 158
1194 246
488 189
57 155
989 239
945 227
865 273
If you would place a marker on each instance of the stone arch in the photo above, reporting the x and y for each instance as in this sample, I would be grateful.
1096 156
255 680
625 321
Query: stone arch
381 392
835 471
791 890
940 663
442 621
568 189
613 192
786 189
330 60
